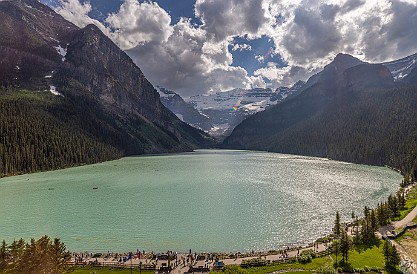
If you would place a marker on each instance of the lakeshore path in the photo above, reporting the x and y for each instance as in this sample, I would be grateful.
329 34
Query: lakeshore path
181 268
406 261
407 219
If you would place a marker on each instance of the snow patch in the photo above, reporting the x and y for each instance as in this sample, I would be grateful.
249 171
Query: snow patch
164 93
61 51
17 67
180 116
401 68
52 38
30 7
219 129
253 100
53 90
50 75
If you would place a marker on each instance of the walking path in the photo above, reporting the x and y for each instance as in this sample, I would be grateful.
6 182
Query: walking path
407 264
181 265
407 219
180 269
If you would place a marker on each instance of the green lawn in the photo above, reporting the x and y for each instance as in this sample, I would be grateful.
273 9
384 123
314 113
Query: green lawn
371 257
368 260
365 258
316 264
105 270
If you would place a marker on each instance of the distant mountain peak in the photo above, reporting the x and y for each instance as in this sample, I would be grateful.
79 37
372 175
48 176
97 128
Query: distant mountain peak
402 67
342 62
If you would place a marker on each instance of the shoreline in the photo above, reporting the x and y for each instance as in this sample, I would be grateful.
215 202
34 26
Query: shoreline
189 152
182 261
268 250
289 246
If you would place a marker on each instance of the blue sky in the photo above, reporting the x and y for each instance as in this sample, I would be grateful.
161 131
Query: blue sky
251 60
203 46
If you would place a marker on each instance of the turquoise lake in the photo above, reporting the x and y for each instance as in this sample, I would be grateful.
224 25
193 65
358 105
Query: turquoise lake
208 200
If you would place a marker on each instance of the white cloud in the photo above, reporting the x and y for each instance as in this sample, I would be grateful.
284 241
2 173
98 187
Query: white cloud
257 82
225 19
138 23
307 34
241 47
77 13
311 33
260 58
189 63
284 76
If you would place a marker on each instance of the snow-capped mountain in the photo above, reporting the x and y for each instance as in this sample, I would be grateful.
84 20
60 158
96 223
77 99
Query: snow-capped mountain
402 67
183 110
220 112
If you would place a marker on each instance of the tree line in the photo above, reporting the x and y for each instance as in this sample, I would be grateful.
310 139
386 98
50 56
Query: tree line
36 136
370 127
37 256
363 230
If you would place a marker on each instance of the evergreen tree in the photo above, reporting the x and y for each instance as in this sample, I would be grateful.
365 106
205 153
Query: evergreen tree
3 255
336 229
345 245
391 256
38 256
373 222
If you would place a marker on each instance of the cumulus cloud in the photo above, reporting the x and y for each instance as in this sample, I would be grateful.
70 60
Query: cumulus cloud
139 23
189 62
307 34
311 33
241 47
285 76
77 13
226 19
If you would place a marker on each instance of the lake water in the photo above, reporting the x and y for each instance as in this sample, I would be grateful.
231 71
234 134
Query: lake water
208 200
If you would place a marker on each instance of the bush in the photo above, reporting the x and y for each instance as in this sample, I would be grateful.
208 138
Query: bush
306 256
253 263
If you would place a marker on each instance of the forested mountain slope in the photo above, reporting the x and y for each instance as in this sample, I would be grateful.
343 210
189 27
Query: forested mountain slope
355 114
70 96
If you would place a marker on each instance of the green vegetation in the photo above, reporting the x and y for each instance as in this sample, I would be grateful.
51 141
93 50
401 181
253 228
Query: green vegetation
292 267
410 203
37 136
391 256
40 131
362 257
38 256
306 256
355 126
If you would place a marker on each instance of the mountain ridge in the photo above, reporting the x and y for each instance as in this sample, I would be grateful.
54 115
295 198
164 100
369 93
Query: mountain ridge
335 117
82 77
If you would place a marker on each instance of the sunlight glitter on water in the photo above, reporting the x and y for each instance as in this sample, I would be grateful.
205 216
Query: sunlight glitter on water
209 200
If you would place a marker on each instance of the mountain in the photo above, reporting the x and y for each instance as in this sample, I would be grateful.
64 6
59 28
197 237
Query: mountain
183 110
402 67
218 113
351 111
411 78
31 36
70 96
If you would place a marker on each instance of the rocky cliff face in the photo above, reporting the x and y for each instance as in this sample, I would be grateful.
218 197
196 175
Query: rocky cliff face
30 35
366 76
44 52
109 75
183 110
